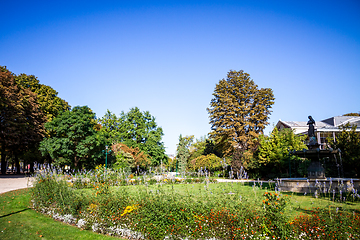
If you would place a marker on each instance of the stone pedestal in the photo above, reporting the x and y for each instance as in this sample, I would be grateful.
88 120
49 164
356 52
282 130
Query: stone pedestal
323 186
316 170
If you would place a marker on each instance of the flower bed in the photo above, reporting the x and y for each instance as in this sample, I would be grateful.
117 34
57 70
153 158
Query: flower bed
199 211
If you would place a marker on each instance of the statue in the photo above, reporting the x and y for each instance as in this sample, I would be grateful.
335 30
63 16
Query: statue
311 134
311 131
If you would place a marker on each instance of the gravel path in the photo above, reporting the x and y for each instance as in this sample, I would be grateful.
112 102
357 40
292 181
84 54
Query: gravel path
14 182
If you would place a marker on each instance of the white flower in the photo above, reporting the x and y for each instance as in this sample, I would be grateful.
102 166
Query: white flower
95 227
81 223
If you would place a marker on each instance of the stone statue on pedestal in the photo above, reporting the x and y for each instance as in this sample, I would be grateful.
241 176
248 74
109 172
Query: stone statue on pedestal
311 134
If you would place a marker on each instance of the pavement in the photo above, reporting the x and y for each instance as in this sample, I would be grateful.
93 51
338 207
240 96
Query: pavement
11 182
14 182
235 180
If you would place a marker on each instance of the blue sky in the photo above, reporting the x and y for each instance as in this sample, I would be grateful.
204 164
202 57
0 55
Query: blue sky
166 57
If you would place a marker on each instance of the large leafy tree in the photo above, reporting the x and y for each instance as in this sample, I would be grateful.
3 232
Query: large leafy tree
239 112
50 104
348 141
110 126
127 157
211 162
136 129
183 151
198 147
74 139
272 155
21 120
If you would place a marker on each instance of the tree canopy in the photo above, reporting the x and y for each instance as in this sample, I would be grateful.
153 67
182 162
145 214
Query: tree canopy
136 129
352 114
50 104
127 157
238 112
183 151
21 120
74 139
348 141
273 155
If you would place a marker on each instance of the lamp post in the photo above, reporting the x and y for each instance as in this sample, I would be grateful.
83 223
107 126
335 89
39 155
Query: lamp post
106 151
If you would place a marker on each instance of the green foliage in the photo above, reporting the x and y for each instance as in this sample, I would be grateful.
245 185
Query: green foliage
50 104
129 158
136 129
203 146
348 141
352 114
25 106
197 148
183 152
73 139
238 112
110 126
21 121
276 222
210 148
210 162
273 153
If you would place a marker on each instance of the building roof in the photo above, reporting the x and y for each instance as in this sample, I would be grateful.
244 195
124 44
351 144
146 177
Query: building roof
328 125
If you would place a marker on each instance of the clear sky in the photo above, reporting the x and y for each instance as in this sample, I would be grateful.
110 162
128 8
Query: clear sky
166 57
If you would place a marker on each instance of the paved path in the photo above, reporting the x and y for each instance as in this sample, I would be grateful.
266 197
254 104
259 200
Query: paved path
235 180
14 182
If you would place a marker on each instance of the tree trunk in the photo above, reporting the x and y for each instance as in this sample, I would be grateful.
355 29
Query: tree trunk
3 161
31 167
17 164
76 163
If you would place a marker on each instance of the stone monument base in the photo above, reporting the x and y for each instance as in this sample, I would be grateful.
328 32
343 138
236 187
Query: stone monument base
309 186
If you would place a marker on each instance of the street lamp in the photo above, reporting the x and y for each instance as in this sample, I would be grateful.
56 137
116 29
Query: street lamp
106 151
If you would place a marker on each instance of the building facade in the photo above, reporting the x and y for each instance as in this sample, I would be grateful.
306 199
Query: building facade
324 128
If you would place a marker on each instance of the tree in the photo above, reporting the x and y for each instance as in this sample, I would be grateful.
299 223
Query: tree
352 114
50 104
127 157
110 126
210 162
136 129
21 120
74 139
272 155
348 141
197 147
183 152
211 148
238 112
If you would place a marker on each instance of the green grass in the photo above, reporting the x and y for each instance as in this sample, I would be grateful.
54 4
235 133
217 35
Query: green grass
18 221
299 203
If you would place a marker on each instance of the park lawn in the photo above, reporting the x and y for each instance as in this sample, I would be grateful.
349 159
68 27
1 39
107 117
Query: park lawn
299 203
18 221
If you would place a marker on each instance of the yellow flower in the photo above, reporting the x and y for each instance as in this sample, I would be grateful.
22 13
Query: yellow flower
92 207
199 217
129 209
